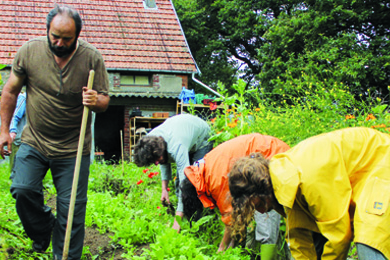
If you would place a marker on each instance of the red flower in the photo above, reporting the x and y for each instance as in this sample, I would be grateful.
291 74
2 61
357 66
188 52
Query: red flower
146 170
168 189
139 182
158 207
213 106
155 173
150 175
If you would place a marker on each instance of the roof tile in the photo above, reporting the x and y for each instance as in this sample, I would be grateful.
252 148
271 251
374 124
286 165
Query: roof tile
129 36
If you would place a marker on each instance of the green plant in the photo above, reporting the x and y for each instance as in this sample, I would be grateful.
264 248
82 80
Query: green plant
235 119
1 67
125 202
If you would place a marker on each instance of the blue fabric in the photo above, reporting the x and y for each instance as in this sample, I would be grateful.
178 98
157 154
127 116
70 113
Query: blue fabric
187 95
19 119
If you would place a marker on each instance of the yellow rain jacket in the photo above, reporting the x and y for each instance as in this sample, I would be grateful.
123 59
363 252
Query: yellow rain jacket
337 184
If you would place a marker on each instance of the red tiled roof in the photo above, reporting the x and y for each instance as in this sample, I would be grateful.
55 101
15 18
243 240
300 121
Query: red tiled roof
129 36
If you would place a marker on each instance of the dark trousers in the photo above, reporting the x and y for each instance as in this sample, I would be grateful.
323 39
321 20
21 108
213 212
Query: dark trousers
30 168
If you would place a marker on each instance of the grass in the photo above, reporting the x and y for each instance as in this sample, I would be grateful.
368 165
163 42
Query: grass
131 212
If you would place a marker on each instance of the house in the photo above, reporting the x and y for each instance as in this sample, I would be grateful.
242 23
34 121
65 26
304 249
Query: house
144 48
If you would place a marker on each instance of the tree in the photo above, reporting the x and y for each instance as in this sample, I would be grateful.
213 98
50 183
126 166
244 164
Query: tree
214 62
341 41
267 42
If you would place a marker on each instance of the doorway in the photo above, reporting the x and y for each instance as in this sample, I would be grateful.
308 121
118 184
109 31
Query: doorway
107 133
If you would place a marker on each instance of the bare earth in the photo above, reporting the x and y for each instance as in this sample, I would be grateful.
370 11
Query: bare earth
98 244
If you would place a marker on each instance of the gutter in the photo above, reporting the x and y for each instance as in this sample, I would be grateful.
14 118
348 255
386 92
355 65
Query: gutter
148 71
205 86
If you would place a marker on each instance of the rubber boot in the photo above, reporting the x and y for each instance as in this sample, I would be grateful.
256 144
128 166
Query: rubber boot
268 252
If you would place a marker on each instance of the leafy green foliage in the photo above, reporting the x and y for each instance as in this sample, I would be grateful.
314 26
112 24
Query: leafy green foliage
203 41
1 67
126 201
305 108
259 41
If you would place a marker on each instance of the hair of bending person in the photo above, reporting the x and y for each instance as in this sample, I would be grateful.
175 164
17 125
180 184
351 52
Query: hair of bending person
148 150
248 178
192 206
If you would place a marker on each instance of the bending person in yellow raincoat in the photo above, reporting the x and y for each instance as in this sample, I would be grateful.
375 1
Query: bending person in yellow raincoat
335 186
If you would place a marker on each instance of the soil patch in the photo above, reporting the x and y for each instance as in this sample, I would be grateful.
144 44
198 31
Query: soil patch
98 244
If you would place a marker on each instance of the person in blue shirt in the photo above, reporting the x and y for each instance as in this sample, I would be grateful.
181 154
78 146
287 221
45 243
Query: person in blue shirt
18 122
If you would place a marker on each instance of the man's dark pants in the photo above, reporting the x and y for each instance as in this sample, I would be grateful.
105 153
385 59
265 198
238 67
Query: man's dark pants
29 170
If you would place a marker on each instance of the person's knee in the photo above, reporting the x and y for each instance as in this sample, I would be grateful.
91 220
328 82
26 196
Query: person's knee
79 211
20 193
79 214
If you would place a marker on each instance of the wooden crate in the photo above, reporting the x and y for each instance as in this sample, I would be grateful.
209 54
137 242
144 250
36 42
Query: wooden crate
161 114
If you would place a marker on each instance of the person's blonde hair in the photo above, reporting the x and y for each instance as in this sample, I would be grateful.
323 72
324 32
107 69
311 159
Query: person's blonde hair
248 178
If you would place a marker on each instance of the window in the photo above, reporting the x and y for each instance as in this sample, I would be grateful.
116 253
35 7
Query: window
150 4
132 80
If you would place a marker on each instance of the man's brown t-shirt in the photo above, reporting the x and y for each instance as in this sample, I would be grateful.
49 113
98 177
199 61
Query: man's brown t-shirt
54 96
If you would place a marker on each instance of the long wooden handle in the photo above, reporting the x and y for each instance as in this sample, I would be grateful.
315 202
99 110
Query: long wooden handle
77 172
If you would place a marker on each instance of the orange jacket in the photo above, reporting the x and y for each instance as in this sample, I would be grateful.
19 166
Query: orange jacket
210 176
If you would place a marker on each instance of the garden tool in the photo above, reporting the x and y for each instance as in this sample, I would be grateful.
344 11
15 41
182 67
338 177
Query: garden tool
170 209
76 172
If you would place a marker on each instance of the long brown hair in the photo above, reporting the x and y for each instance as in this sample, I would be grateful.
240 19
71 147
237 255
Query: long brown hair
248 178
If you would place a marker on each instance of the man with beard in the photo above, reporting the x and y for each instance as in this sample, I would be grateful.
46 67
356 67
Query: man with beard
55 70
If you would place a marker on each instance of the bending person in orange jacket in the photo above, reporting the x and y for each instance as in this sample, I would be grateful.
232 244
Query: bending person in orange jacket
208 181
